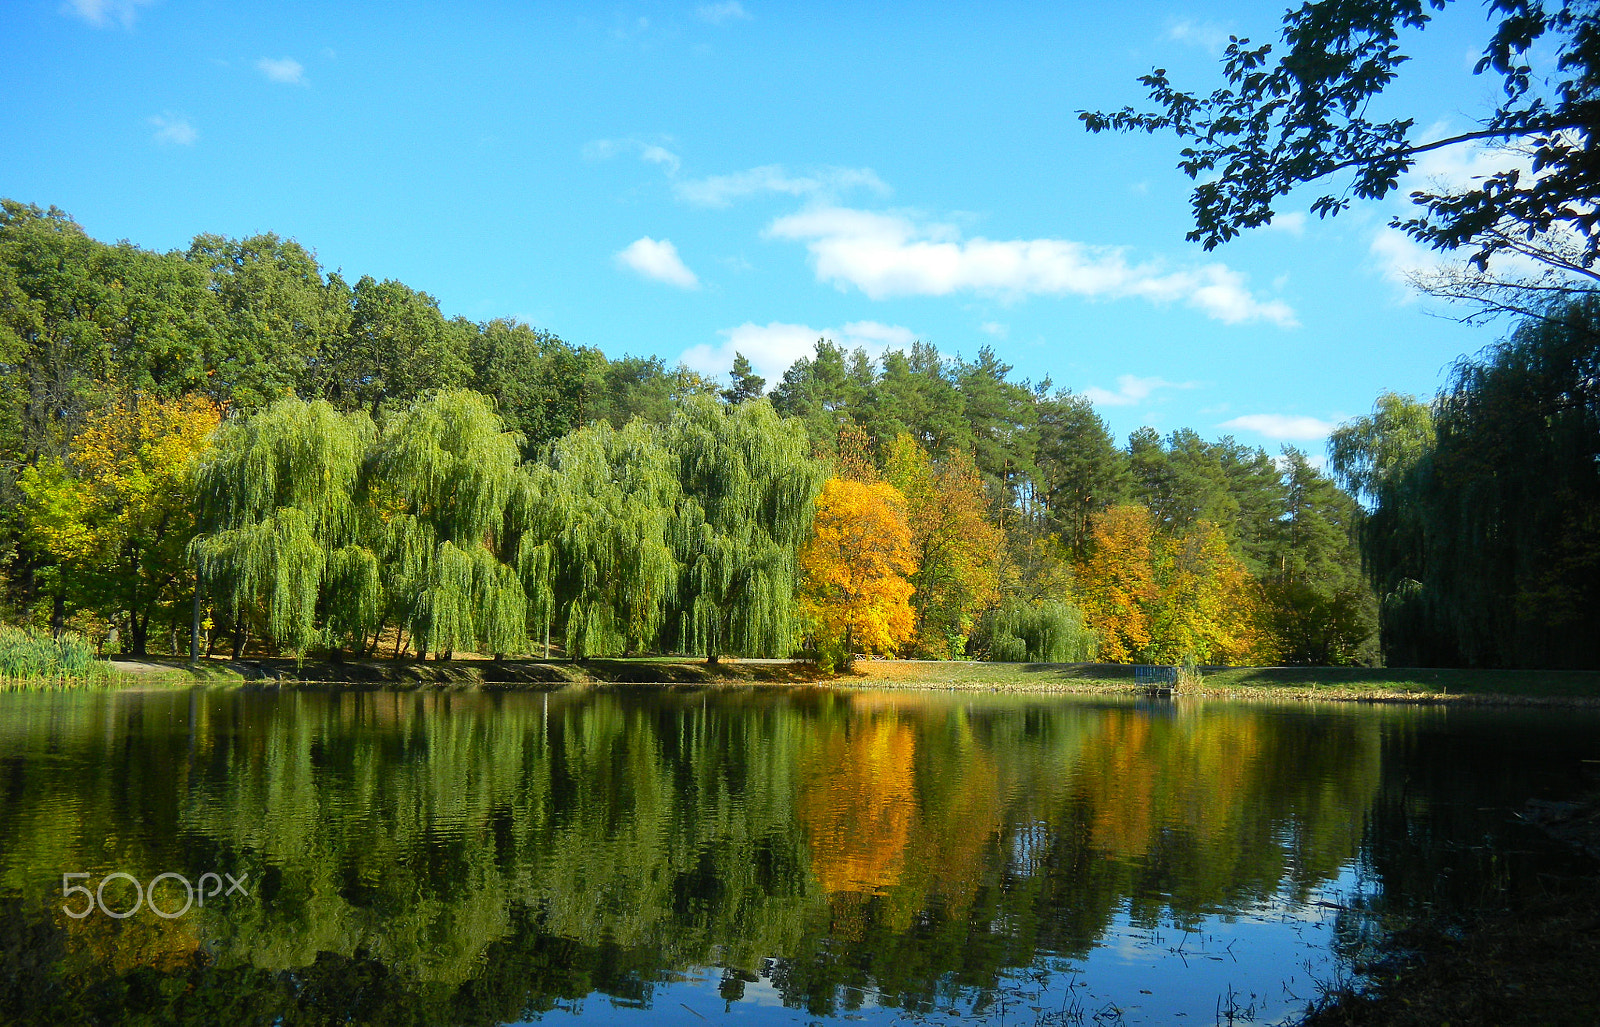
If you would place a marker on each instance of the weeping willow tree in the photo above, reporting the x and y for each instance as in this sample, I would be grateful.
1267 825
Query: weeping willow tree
749 488
1484 537
1052 631
442 477
283 545
596 550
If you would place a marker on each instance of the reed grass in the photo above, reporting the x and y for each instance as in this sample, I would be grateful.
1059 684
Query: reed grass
31 660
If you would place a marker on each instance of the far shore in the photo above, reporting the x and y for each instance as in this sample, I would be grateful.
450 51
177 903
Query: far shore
1337 684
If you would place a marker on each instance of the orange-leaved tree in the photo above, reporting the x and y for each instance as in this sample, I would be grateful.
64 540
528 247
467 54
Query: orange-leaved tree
1116 584
855 568
1159 598
1210 608
958 549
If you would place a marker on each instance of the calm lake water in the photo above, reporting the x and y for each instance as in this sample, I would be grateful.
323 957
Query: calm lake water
737 856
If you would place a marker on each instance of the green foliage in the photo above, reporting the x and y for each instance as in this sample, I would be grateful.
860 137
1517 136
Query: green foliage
276 313
1484 538
749 485
746 383
598 538
1322 611
1081 472
29 654
283 537
1048 632
398 347
443 474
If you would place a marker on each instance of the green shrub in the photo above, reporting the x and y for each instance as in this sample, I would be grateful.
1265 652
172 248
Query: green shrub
1047 632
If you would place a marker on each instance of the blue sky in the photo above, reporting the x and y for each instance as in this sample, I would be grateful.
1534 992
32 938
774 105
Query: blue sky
687 179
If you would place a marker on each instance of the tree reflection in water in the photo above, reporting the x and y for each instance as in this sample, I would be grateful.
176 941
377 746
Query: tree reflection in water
481 857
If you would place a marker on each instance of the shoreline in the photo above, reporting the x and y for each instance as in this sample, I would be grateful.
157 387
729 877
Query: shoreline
1400 686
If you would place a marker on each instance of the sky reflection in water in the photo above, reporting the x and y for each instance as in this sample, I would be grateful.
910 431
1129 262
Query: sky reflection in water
633 855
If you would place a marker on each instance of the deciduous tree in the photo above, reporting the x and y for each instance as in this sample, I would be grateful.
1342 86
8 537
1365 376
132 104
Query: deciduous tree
749 486
855 590
958 549
117 511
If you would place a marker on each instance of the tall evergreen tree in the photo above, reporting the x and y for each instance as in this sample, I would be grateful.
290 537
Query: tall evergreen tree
746 383
1081 471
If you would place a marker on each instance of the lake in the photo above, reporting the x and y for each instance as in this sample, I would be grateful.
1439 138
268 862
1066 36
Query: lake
737 855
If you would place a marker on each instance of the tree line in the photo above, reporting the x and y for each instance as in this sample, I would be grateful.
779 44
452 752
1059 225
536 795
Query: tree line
335 462
341 464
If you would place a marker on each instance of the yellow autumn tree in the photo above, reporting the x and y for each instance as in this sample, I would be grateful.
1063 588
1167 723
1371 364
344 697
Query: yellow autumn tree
1157 598
118 512
1116 586
1209 605
958 550
855 567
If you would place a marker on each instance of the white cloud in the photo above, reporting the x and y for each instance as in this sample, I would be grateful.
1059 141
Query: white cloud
1209 36
1399 257
886 255
1317 461
1282 426
650 153
772 347
718 13
660 155
995 329
659 261
102 13
1132 389
1293 222
817 184
173 128
721 190
282 69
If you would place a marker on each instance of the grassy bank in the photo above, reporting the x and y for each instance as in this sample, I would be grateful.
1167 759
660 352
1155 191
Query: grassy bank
1580 688
1325 683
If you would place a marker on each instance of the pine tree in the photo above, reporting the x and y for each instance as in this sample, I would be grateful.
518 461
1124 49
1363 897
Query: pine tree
746 383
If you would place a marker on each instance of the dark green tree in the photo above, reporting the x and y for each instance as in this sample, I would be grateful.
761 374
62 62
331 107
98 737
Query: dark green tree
397 348
746 383
1080 470
1283 121
1484 541
278 318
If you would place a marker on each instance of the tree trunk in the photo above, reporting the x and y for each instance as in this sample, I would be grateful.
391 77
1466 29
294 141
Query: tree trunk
58 616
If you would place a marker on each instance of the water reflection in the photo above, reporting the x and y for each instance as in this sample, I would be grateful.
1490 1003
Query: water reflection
485 858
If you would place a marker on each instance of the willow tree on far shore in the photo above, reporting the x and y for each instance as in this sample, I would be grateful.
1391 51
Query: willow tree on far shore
596 552
441 478
749 485
284 548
